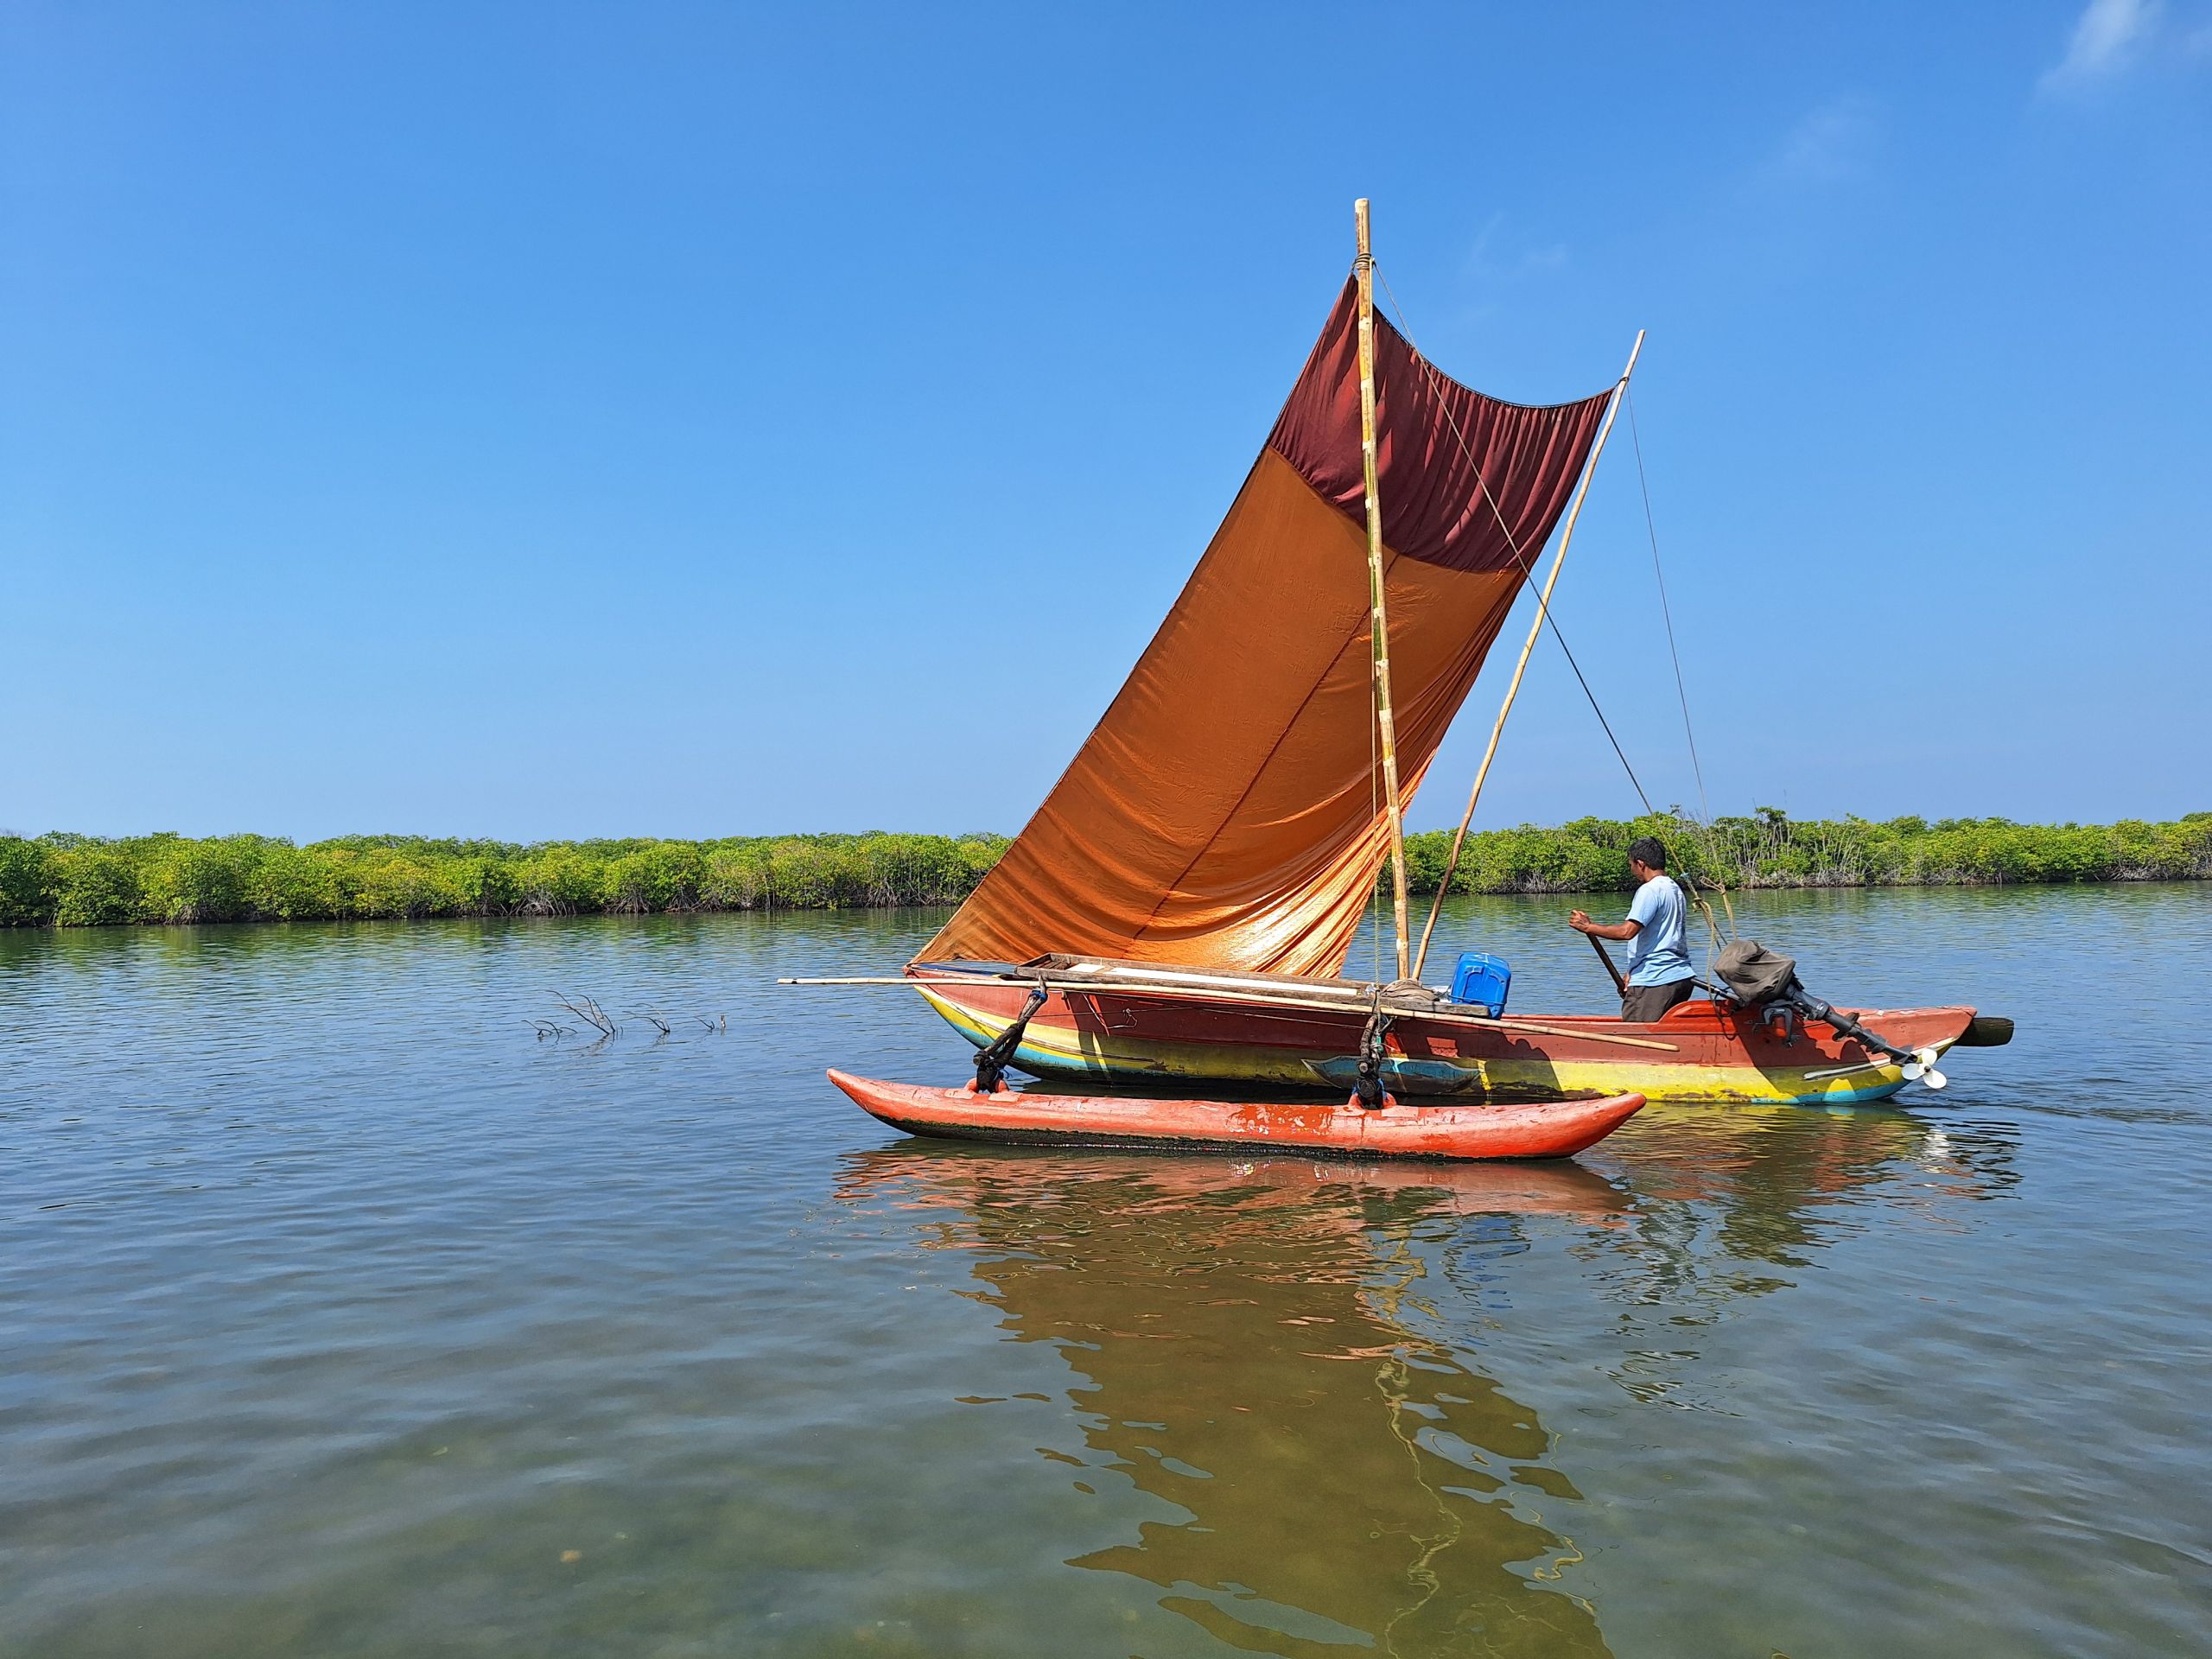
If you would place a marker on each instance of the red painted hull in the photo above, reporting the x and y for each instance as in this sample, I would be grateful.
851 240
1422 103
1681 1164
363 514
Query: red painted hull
1123 1033
1543 1129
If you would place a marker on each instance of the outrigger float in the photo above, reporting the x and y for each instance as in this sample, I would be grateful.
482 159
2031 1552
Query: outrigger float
1180 908
1340 1128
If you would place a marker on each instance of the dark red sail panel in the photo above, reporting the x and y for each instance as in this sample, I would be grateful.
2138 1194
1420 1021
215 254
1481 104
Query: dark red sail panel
1438 443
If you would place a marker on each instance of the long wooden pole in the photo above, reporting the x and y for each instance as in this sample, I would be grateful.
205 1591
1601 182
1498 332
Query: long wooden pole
1378 625
1199 992
1535 629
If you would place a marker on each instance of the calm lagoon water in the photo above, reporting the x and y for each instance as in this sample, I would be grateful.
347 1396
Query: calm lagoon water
345 1316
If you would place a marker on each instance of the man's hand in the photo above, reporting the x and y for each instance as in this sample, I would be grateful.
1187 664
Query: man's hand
1620 932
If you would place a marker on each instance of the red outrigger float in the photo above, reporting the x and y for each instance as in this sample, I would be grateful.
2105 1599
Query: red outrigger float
1326 1128
1180 907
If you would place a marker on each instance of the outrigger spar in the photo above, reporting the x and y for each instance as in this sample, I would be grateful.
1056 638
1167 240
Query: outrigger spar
1182 903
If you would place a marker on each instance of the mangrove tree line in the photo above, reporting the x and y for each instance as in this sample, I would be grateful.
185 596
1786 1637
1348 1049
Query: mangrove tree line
73 881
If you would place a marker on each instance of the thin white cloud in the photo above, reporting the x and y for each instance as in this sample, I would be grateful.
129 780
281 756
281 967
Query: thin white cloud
1501 260
1833 142
2107 38
1490 260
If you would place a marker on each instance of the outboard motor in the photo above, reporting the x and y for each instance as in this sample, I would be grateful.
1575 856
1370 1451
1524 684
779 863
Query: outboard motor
1765 981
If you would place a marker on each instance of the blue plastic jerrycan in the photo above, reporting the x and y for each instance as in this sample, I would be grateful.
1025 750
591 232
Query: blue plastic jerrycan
1482 981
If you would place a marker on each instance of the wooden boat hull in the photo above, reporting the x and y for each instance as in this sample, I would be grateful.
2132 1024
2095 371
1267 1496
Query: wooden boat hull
1331 1128
1124 1035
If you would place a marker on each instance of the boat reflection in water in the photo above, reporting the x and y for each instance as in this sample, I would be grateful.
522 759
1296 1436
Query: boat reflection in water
1240 1326
1286 1350
1772 1185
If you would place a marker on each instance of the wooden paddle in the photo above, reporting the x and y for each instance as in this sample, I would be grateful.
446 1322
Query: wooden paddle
1606 956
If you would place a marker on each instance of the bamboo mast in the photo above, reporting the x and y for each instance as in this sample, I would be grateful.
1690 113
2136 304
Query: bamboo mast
1535 628
1378 627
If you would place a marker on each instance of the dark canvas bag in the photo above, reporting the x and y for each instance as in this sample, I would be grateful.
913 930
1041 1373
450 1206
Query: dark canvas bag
1752 972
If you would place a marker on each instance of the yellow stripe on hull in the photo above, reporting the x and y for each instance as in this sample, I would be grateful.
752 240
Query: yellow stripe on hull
1059 1051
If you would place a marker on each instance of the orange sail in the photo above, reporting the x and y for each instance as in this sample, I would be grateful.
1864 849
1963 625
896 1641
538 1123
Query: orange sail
1226 811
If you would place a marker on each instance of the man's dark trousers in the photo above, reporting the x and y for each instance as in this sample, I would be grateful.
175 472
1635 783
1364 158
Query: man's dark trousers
1641 1004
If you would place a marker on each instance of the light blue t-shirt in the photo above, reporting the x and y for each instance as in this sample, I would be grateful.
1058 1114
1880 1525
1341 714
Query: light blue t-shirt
1657 956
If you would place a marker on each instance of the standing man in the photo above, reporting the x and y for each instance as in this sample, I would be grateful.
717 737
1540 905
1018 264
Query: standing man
1659 973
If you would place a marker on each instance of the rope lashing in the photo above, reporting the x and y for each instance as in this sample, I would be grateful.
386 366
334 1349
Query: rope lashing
1368 1088
991 1060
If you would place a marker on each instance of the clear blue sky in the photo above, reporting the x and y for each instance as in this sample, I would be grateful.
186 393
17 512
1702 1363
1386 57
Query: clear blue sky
539 421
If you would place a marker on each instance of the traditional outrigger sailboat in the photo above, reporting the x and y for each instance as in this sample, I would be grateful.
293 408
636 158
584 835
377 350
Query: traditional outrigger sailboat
1182 904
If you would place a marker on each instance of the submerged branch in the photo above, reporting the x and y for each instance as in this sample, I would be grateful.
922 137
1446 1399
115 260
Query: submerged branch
590 1012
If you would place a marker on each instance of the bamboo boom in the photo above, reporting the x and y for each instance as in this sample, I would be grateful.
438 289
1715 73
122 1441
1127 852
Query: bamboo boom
1535 629
1378 627
1095 988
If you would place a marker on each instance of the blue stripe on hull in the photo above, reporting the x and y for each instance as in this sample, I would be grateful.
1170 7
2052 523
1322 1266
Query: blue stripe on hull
1045 1062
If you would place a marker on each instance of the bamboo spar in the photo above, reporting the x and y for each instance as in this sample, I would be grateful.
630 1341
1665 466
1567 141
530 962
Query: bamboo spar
1199 992
1378 627
1535 629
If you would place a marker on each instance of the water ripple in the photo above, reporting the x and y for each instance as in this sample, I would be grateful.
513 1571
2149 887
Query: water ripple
347 1316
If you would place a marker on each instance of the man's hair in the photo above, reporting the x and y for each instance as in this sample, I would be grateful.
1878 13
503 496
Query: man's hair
1648 850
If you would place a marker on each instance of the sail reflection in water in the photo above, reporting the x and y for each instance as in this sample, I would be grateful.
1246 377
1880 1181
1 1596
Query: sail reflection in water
1245 1332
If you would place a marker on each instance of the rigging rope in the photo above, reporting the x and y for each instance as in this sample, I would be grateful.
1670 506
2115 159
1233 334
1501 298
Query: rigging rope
1544 612
1513 542
1651 528
1697 769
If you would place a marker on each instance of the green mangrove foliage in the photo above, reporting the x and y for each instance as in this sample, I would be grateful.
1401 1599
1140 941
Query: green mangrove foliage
71 881
78 881
1769 850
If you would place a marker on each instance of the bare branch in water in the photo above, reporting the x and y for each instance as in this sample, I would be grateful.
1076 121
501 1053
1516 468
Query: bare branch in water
587 1010
590 1012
